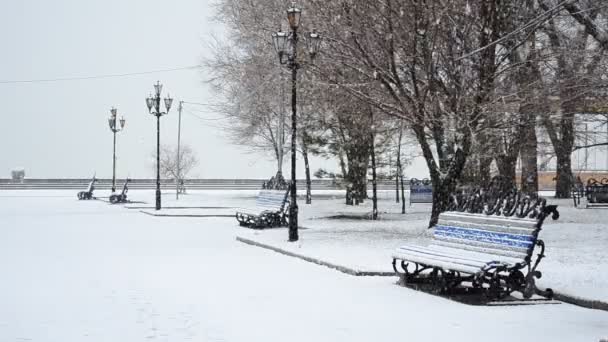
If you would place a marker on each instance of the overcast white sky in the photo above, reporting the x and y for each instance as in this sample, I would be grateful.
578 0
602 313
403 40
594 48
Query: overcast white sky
59 129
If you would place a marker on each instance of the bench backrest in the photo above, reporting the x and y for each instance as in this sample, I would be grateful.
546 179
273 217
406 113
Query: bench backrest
506 236
91 186
271 200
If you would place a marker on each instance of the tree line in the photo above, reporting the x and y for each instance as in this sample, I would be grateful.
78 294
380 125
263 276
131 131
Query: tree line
469 84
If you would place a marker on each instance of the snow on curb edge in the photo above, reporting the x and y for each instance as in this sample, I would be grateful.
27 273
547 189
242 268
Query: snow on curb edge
586 303
342 269
185 215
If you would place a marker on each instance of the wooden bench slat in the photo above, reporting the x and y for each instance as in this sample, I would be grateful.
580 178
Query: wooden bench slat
488 227
480 243
439 262
474 259
501 239
489 219
481 248
475 255
248 211
458 256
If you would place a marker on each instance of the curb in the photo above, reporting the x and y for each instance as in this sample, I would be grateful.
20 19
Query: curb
586 303
183 207
339 268
183 215
578 301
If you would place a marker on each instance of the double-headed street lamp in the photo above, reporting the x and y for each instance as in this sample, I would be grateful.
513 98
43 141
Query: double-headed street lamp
114 127
288 56
153 103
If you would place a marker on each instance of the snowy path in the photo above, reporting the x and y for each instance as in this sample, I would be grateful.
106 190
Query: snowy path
88 271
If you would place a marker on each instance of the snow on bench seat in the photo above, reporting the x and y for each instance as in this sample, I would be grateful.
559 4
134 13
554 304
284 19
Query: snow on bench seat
470 243
267 201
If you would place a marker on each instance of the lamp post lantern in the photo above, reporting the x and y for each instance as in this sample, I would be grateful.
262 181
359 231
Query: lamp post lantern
153 103
288 57
115 126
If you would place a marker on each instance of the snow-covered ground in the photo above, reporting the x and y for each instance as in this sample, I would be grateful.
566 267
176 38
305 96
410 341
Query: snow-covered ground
576 260
86 270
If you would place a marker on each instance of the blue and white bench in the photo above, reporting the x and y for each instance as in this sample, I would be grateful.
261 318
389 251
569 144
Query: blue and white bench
490 253
268 212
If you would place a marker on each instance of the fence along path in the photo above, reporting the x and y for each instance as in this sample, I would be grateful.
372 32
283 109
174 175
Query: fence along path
146 184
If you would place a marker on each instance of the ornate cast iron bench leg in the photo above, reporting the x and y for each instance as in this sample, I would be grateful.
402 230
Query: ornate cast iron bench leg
530 283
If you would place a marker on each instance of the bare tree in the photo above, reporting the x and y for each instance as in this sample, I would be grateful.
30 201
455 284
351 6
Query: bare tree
469 80
413 61
571 76
168 161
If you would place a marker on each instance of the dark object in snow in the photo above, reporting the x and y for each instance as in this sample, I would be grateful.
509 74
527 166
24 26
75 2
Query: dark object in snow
596 192
88 194
122 197
269 211
483 247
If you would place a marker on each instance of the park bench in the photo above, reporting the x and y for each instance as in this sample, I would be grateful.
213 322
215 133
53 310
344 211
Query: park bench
268 212
421 191
596 193
88 194
592 195
122 197
482 246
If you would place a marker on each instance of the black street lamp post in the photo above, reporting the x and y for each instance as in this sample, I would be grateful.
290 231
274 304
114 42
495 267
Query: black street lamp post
114 127
289 58
153 103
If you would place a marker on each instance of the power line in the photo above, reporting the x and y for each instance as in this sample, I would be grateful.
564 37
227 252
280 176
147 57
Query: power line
207 122
202 104
80 78
202 118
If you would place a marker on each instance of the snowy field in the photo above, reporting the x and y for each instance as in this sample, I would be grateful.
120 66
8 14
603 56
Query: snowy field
89 271
576 260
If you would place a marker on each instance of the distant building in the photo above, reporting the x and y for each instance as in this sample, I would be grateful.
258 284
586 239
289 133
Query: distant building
591 162
592 129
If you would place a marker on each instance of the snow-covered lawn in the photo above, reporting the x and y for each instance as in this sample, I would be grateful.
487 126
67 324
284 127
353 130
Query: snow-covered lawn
576 260
74 271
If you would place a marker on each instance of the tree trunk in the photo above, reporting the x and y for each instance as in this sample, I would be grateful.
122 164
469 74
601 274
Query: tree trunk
441 196
400 175
445 184
348 196
398 166
529 155
507 168
484 171
563 176
444 181
358 162
374 185
396 184
307 171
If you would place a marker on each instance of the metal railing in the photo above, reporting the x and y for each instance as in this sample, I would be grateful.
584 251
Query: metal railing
190 184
